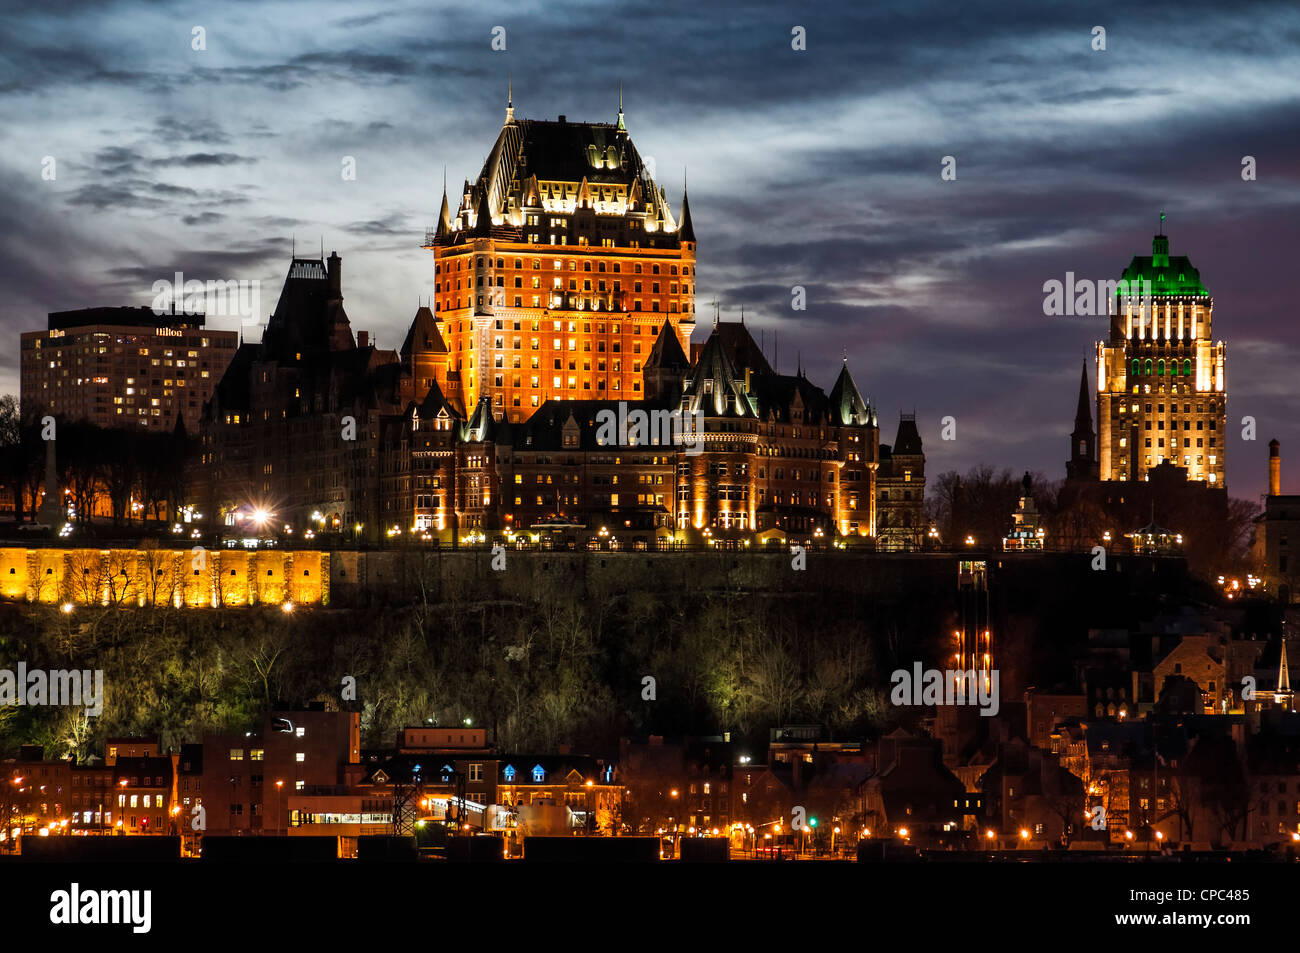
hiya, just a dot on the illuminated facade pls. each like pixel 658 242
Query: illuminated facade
pixel 779 455
pixel 118 367
pixel 556 272
pixel 768 455
pixel 1160 376
pixel 164 577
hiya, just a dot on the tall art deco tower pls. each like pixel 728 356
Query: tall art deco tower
pixel 1160 375
pixel 558 269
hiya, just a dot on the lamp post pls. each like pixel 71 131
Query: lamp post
pixel 278 786
pixel 10 803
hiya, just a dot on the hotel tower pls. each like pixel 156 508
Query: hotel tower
pixel 556 272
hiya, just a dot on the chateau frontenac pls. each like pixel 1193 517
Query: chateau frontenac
pixel 564 293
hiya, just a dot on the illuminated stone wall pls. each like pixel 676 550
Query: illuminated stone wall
pixel 177 577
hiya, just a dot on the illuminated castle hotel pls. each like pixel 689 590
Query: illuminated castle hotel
pixel 1161 396
pixel 564 287
pixel 557 271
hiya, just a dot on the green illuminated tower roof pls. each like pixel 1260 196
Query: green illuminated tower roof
pixel 1168 276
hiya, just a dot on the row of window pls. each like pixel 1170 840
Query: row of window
pixel 462 263
pixel 1161 368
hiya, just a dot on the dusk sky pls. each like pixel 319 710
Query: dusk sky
pixel 818 168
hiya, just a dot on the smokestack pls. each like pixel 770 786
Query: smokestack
pixel 335 272
pixel 363 338
pixel 1274 468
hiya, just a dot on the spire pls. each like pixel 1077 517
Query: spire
pixel 444 217
pixel 685 230
pixel 510 99
pixel 483 220
pixel 1283 676
pixel 1083 416
pixel 622 126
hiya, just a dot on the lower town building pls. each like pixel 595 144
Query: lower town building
pixel 248 779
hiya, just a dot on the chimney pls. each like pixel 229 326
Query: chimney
pixel 335 272
pixel 562 118
pixel 363 338
pixel 1274 468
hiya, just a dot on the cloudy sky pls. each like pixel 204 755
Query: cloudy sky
pixel 818 168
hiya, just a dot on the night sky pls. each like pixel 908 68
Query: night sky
pixel 818 168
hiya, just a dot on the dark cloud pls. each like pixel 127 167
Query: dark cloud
pixel 816 168
pixel 196 159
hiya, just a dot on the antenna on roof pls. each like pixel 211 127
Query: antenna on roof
pixel 293 245
pixel 1162 223
pixel 510 97
pixel 846 357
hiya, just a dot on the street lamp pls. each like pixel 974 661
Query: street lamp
pixel 278 786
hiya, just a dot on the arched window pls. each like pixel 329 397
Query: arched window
pixel 1147 366
pixel 1187 367
pixel 1136 367
pixel 1160 367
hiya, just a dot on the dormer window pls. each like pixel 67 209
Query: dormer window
pixel 539 774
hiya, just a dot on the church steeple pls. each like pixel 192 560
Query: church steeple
pixel 1083 464
pixel 1283 675
pixel 1083 415
pixel 622 126
pixel 510 100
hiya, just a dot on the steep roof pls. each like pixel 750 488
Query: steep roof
pixel 424 332
pixel 587 158
pixel 435 403
pixel 667 350
pixel 846 404
pixel 909 438
pixel 686 230
pixel 714 387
